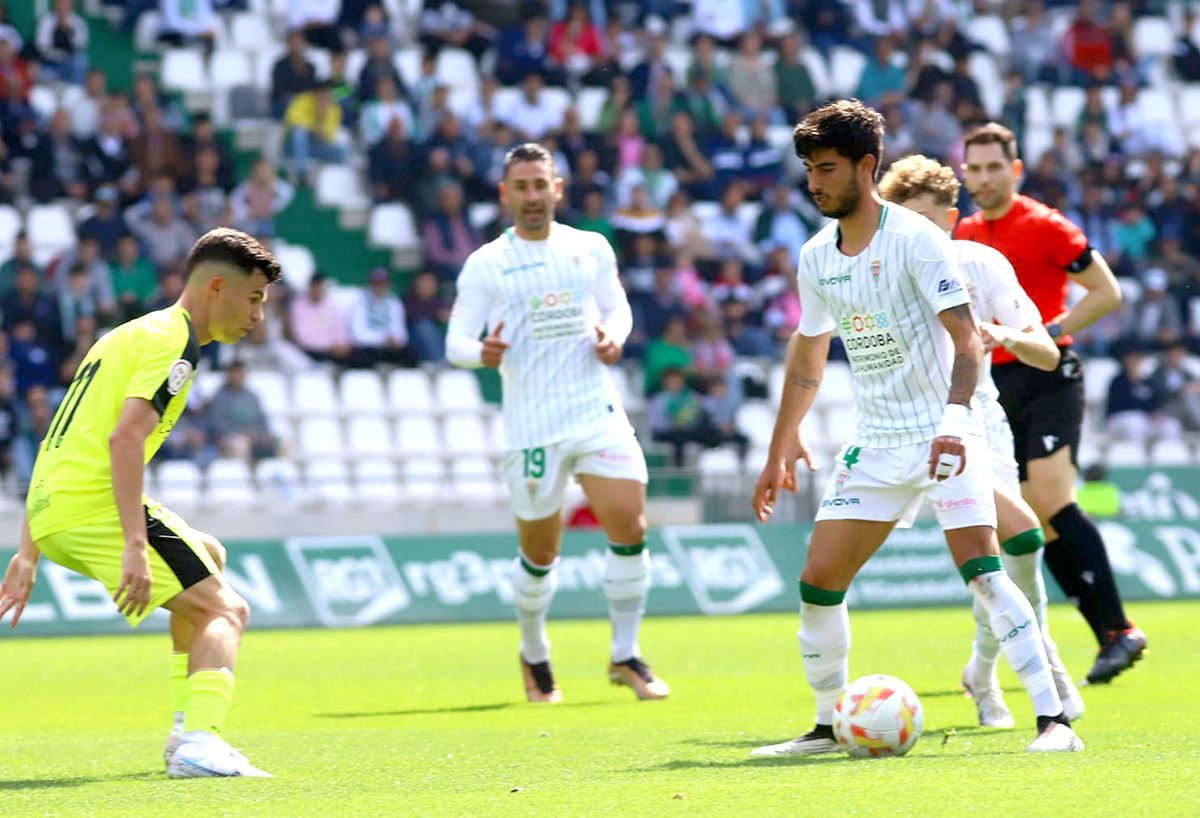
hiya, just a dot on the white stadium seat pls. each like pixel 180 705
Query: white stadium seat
pixel 1097 375
pixel 990 32
pixel 179 483
pixel 392 227
pixel 499 441
pixel 1127 453
pixel 457 390
pixel 329 480
pixel 272 390
pixel 369 436
pixel 756 420
pixel 361 392
pixel 474 477
pixel 719 469
pixel 230 67
pixel 1170 453
pixel 418 434
pixel 10 226
pixel 250 32
pixel 1066 103
pixel 1153 37
pixel 321 436
pixel 341 186
pixel 589 102
pixel 377 479
pixel 278 481
pixel 298 264
pixel 456 68
pixel 206 384
pixel 846 66
pixel 229 483
pixel 183 70
pixel 43 100
pixel 51 231
pixel 313 393
pixel 410 391
pixel 145 33
pixel 424 478
pixel 465 434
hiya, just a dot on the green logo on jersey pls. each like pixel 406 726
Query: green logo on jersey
pixel 851 456
pixel 829 282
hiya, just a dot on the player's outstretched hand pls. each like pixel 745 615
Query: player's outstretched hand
pixel 607 350
pixel 133 594
pixel 947 458
pixel 779 473
pixel 493 347
pixel 17 587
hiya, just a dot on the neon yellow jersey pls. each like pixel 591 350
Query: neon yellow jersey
pixel 153 357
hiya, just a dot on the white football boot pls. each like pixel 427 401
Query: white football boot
pixel 815 742
pixel 173 741
pixel 1072 701
pixel 1056 738
pixel 989 699
pixel 206 755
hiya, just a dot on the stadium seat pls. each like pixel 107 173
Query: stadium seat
pixel 424 478
pixel 392 227
pixel 1171 453
pixel 481 214
pixel 264 63
pixel 145 33
pixel 457 390
pixel 51 231
pixel 590 102
pixel 272 390
pixel 179 484
pixel 361 392
pixel 846 66
pixel 818 72
pixel 313 393
pixel 410 391
pixel 1153 37
pixel 298 264
pixel 369 436
pixel 719 470
pixel 775 377
pixel 474 477
pixel 1067 102
pixel 986 73
pixel 1089 453
pixel 341 186
pixel 43 100
pixel 329 481
pixel 417 434
pixel 206 384
pixel 1037 107
pixel 183 70
pixel 465 434
pixel 1189 104
pixel 1097 375
pixel 230 67
pixel 756 420
pixel 320 436
pixel 499 438
pixel 990 32
pixel 456 68
pixel 408 63
pixel 1125 453
pixel 10 226
pixel 377 479
pixel 251 32
pixel 278 481
pixel 229 484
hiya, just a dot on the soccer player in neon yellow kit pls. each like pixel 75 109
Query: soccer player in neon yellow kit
pixel 86 509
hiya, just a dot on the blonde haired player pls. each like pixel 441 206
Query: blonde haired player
pixel 557 317
pixel 86 510
pixel 1008 319
pixel 885 280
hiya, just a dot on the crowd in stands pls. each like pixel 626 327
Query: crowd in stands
pixel 684 166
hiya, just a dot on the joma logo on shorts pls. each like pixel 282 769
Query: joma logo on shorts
pixel 835 502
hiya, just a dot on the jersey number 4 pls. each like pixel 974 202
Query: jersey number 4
pixel 66 412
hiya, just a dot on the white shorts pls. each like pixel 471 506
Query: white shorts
pixel 891 484
pixel 1000 441
pixel 537 477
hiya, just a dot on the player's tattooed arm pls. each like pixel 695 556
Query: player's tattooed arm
pixel 968 352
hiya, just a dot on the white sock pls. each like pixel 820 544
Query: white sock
pixel 177 723
pixel 532 594
pixel 1013 623
pixel 1026 573
pixel 626 583
pixel 985 650
pixel 825 648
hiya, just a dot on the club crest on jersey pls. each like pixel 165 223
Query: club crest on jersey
pixel 178 376
pixel 876 267
pixel 532 486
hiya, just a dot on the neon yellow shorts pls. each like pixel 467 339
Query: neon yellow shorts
pixel 178 558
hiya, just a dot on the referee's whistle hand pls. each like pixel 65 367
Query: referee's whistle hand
pixel 493 347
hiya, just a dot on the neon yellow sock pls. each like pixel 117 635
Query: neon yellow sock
pixel 177 678
pixel 209 696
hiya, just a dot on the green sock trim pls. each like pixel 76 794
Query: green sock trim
pixel 534 570
pixel 819 596
pixel 209 696
pixel 627 550
pixel 1024 543
pixel 978 566
pixel 177 676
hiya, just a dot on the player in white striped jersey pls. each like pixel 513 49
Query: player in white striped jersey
pixel 885 279
pixel 1009 319
pixel 557 317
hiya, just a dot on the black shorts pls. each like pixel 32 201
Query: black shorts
pixel 1045 409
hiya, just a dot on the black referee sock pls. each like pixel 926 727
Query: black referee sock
pixel 1064 566
pixel 1099 599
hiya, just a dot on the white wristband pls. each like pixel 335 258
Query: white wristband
pixel 957 421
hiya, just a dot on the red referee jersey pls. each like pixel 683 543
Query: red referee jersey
pixel 1041 244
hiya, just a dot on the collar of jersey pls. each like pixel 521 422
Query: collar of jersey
pixel 837 231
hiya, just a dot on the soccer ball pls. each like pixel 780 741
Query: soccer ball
pixel 878 716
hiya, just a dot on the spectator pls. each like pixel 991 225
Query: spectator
pixel 654 112
pixel 726 154
pixel 751 340
pixel 577 45
pixel 1176 387
pixel 22 256
pixel 79 341
pixel 712 355
pixel 170 287
pixel 1088 46
pixel 532 114
pixel 428 313
pixel 675 415
pixel 654 69
pixel 1185 55
pixel 730 283
pixel 587 177
pixel 627 142
pixel 595 219
pixel 378 64
pixel 377 115
pixel 147 95
pixel 1134 233
pixel 35 423
pixel 764 161
pixel 751 80
pixel 15 76
pixel 57 162
pixel 188 439
pixel 671 350
pixel 292 74
pixel 793 82
pixel 638 217
pixel 318 326
pixel 237 423
pixel 167 237
pixel 134 278
pixel 779 224
pixel 106 224
pixel 62 41
pixel 377 330
pixel 658 183
pixel 729 232
pixel 157 150
pixel 718 416
pixel 620 97
pixel 317 21
pixel 75 300
pixel 187 22
pixel 392 165
pixel 26 302
pixel 447 23
pixel 99 284
pixel 35 361
pixel 9 420
pixel 1035 47
pixel 106 155
pixel 1136 131
pixel 883 80
pixel 522 49
pixel 703 102
pixel 447 237
pixel 1156 319
pixel 312 121
pixel 684 228
pixel 936 129
pixel 256 202
pixel 641 261
pixel 1132 411
pixel 203 135
pixel 206 204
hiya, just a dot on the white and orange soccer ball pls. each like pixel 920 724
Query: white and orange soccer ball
pixel 878 716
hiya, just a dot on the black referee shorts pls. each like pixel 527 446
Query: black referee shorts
pixel 1045 409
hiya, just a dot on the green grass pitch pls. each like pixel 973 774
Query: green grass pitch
pixel 431 721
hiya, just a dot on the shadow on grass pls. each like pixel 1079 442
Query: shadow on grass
pixel 749 762
pixel 76 781
pixel 958 691
pixel 433 711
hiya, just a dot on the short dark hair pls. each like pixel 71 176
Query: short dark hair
pixel 223 245
pixel 993 133
pixel 847 126
pixel 527 152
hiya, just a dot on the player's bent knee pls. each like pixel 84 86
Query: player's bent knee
pixel 236 610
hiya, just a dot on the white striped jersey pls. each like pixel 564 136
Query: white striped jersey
pixel 884 303
pixel 550 295
pixel 997 297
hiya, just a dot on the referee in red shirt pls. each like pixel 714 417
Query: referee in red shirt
pixel 1045 409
